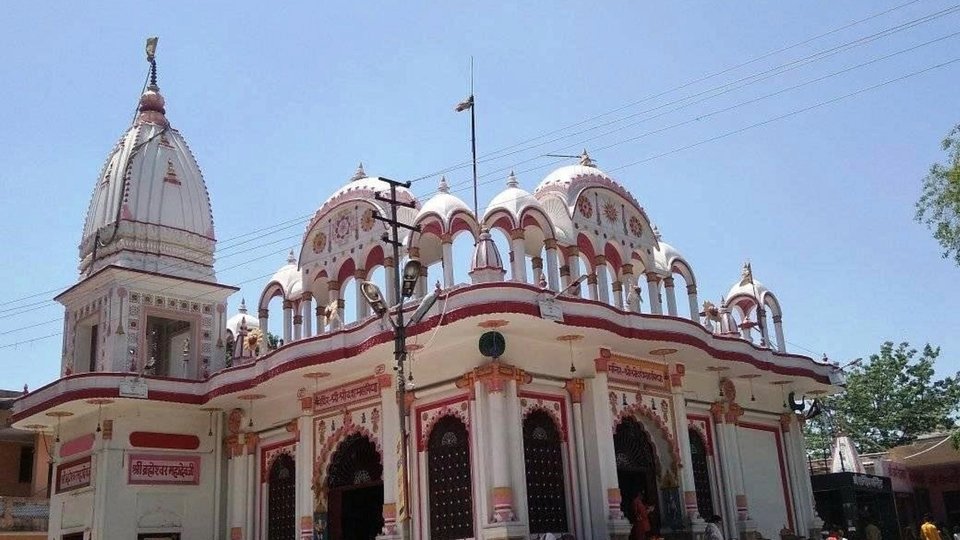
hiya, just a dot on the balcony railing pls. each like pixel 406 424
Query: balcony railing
pixel 24 514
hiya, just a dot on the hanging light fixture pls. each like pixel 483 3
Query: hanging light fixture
pixel 570 338
pixel 783 395
pixel 210 411
pixel 99 402
pixel 59 415
pixel 250 398
pixel 750 377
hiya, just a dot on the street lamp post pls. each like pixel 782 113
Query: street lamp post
pixel 404 285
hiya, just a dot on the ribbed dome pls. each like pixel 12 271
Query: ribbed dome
pixel 150 205
pixel 233 323
pixel 570 181
pixel 747 286
pixel 443 204
pixel 513 200
pixel 289 278
pixel 664 256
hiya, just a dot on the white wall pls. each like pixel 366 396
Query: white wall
pixel 763 480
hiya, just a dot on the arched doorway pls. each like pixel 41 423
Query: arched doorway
pixel 543 460
pixel 701 474
pixel 636 468
pixel 355 490
pixel 281 499
pixel 451 489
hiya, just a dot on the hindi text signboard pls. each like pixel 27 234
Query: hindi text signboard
pixel 340 396
pixel 163 469
pixel 74 475
pixel 638 372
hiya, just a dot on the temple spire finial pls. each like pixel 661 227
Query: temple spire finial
pixel 512 180
pixel 585 159
pixel 359 173
pixel 443 187
pixel 152 58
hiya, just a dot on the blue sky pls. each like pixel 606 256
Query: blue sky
pixel 279 101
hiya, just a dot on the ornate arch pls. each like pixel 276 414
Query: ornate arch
pixel 322 464
pixel 640 412
pixel 430 419
pixel 553 414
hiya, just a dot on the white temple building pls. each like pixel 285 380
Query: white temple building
pixel 175 419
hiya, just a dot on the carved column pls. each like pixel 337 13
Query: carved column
pixel 446 247
pixel 575 388
pixel 671 296
pixel 321 320
pixel 390 293
pixel 518 257
pixel 263 314
pixel 502 491
pixel 603 278
pixel 306 314
pixel 626 279
pixel 694 304
pixel 536 263
pixel 727 486
pixel 362 308
pixel 598 388
pixel 653 286
pixel 789 450
pixel 573 267
pixel 390 411
pixel 297 326
pixel 553 277
pixel 335 320
pixel 778 328
pixel 592 286
pixel 617 294
pixel 687 484
pixel 304 461
pixel 287 320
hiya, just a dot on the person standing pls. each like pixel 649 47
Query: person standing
pixel 928 531
pixel 641 518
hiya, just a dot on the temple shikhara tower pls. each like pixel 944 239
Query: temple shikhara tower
pixel 603 376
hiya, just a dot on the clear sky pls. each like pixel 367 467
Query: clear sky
pixel 279 101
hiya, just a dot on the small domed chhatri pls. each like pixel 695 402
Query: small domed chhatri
pixel 604 391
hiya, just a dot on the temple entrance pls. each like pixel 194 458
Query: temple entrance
pixel 355 490
pixel 636 469
pixel 281 499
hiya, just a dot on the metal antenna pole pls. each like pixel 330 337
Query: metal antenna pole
pixel 473 139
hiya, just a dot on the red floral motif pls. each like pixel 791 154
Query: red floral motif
pixel 319 242
pixel 342 227
pixel 367 221
pixel 585 207
pixel 610 211
pixel 636 226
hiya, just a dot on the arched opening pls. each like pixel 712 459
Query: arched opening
pixel 463 248
pixel 701 474
pixel 636 469
pixel 451 488
pixel 281 499
pixel 543 459
pixel 505 247
pixel 355 490
pixel 348 293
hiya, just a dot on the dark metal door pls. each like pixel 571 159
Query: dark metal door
pixel 281 499
pixel 451 496
pixel 542 454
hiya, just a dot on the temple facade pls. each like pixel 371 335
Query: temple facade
pixel 571 371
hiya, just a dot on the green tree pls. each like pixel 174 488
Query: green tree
pixel 889 400
pixel 939 204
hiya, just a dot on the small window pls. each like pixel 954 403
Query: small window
pixel 26 465
pixel 86 345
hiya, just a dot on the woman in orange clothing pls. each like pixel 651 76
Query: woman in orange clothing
pixel 641 518
pixel 928 531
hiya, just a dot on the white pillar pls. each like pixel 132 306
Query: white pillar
pixel 518 256
pixel 575 388
pixel 653 287
pixel 304 462
pixel 446 247
pixel 687 484
pixel 778 328
pixel 627 284
pixel 671 296
pixel 727 485
pixel 389 290
pixel 592 288
pixel 306 314
pixel 501 491
pixel 598 391
pixel 336 319
pixel 536 265
pixel 250 463
pixel 764 331
pixel 390 412
pixel 264 320
pixel 793 473
pixel 694 304
pixel 573 267
pixel 297 326
pixel 362 308
pixel 733 467
pixel 617 294
pixel 553 266
pixel 321 320
pixel 815 524
pixel 287 321
pixel 603 278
